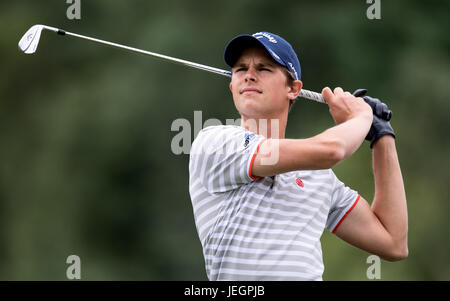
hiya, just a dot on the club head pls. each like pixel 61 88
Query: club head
pixel 30 40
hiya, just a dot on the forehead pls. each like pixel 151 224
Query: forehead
pixel 257 54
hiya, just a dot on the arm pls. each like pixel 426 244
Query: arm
pixel 381 229
pixel 353 118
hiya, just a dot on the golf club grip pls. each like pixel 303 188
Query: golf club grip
pixel 311 95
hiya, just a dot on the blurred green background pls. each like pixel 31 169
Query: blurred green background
pixel 86 165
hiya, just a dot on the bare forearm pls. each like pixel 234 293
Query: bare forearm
pixel 349 135
pixel 329 147
pixel 319 152
pixel 389 203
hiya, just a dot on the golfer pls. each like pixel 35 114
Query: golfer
pixel 261 201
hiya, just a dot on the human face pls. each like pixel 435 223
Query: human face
pixel 259 85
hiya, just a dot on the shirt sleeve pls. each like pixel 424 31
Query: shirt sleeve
pixel 343 200
pixel 221 157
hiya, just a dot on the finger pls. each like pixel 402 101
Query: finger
pixel 380 108
pixel 338 90
pixel 328 96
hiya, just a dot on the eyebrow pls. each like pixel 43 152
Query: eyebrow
pixel 259 65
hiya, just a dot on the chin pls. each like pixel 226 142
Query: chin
pixel 251 109
pixel 256 107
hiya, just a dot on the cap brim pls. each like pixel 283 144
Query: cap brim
pixel 237 45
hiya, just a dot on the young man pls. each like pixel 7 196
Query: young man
pixel 261 202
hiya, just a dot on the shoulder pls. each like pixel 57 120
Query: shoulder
pixel 219 133
pixel 214 136
pixel 221 130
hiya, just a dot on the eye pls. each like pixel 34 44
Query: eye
pixel 265 69
pixel 240 69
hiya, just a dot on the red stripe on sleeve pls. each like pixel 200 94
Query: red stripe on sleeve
pixel 253 159
pixel 345 215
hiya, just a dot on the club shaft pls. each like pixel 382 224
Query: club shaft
pixel 303 92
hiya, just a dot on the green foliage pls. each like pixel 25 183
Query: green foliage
pixel 86 163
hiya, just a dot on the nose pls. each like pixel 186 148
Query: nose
pixel 250 75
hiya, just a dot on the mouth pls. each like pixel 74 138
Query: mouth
pixel 250 91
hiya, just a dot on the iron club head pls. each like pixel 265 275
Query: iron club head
pixel 30 40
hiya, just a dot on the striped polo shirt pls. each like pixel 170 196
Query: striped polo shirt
pixel 265 228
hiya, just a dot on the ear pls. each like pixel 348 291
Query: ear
pixel 295 89
pixel 231 87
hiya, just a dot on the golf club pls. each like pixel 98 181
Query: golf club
pixel 30 41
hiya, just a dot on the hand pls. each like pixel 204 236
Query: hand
pixel 379 108
pixel 344 106
pixel 380 127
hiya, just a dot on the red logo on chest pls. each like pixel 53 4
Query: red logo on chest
pixel 299 182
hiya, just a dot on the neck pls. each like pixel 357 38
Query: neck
pixel 268 127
